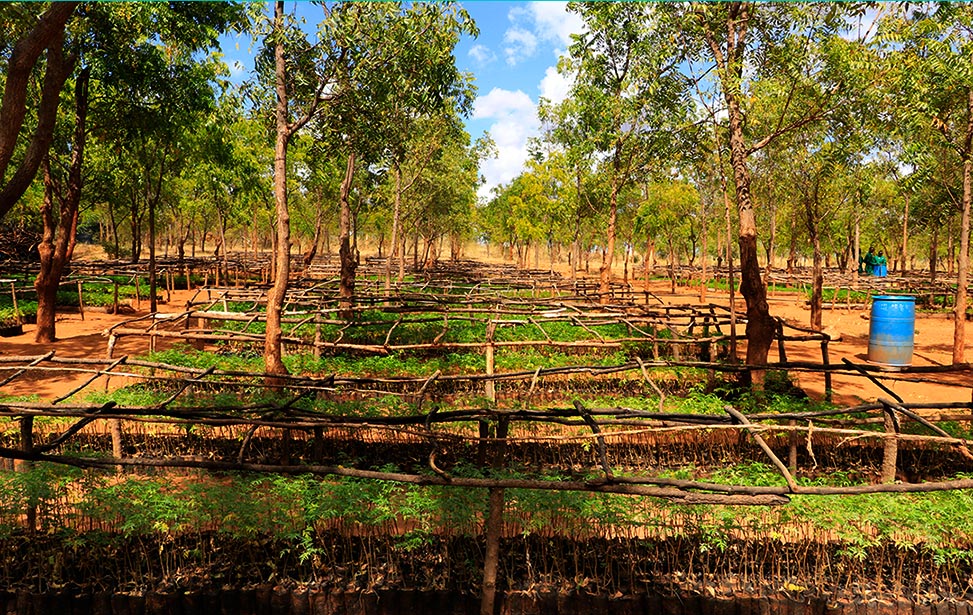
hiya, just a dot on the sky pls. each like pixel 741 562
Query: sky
pixel 513 61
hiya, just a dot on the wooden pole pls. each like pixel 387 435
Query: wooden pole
pixel 891 449
pixel 494 522
pixel 80 300
pixel 13 295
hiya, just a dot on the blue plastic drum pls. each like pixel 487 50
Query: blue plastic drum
pixel 892 330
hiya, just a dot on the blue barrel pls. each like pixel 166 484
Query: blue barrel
pixel 892 330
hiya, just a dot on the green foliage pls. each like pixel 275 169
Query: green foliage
pixel 45 488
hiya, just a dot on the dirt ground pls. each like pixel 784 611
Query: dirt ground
pixel 83 337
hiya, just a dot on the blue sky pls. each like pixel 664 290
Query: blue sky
pixel 513 61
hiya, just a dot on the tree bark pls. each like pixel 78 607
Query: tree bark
pixel 55 254
pixel 346 252
pixel 273 362
pixel 760 325
pixel 394 242
pixel 959 314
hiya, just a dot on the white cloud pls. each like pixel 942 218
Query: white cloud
pixel 520 44
pixel 539 22
pixel 482 54
pixel 555 87
pixel 500 103
pixel 514 117
pixel 553 23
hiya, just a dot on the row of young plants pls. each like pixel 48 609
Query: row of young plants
pixel 875 532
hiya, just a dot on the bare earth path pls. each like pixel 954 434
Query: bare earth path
pixel 79 337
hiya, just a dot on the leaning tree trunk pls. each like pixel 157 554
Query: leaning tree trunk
pixel 346 252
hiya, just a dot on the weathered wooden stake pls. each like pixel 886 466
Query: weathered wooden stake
pixel 494 522
pixel 891 450
pixel 80 301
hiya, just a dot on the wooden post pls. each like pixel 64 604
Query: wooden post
pixel 826 360
pixel 13 295
pixel 138 294
pixel 493 529
pixel 80 301
pixel 489 387
pixel 792 451
pixel 114 425
pixel 27 445
pixel 114 302
pixel 781 353
pixel 891 449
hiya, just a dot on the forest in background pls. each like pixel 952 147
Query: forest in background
pixel 759 134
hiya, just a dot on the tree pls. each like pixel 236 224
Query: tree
pixel 666 211
pixel 121 53
pixel 384 76
pixel 766 39
pixel 45 33
pixel 57 243
pixel 367 60
pixel 931 50
pixel 628 100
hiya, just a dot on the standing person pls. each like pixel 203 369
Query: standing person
pixel 870 260
pixel 881 265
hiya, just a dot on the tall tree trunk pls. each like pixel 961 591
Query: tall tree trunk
pixel 934 254
pixel 760 325
pixel 905 238
pixel 394 243
pixel 136 227
pixel 346 252
pixel 55 256
pixel 51 265
pixel 817 275
pixel 959 315
pixel 114 231
pixel 703 255
pixel 153 305
pixel 273 362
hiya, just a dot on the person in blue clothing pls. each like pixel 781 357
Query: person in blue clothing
pixel 881 265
